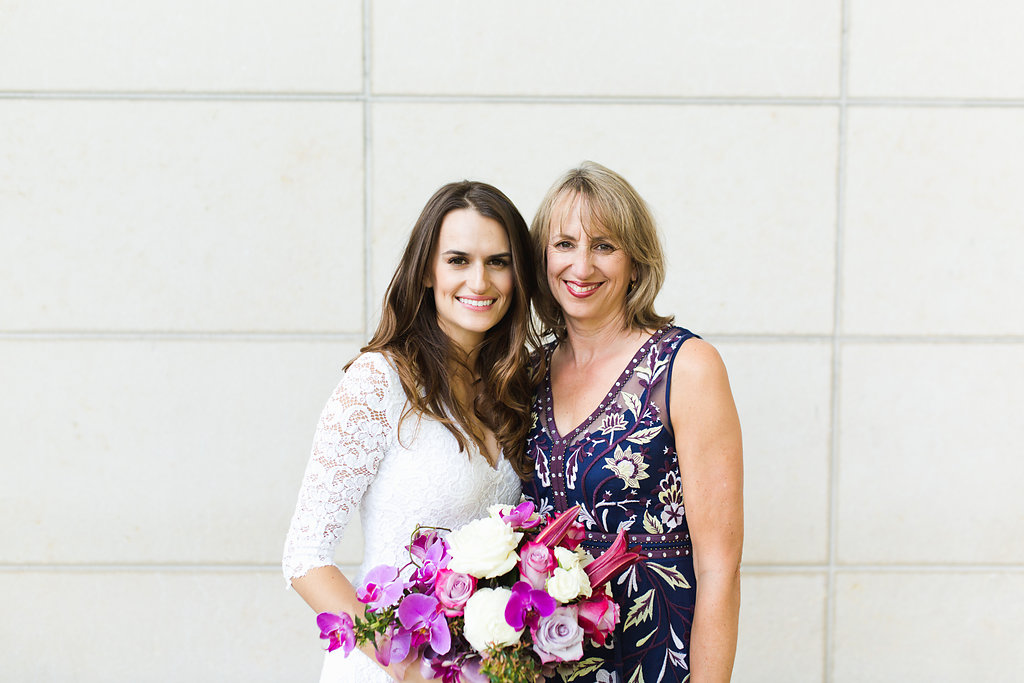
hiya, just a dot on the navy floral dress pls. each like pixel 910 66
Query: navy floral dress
pixel 620 464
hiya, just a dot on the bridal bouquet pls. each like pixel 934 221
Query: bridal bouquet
pixel 504 598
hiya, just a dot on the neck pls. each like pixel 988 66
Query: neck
pixel 587 340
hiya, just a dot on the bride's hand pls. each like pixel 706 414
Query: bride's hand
pixel 408 670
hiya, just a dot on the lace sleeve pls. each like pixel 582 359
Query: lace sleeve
pixel 353 435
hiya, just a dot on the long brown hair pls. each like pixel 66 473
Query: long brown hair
pixel 423 355
pixel 610 206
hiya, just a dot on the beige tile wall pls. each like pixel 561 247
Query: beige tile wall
pixel 201 205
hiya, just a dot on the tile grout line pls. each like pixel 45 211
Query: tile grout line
pixel 652 100
pixel 760 569
pixel 731 338
pixel 836 378
pixel 367 174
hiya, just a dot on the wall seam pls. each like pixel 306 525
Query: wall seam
pixel 362 97
pixel 367 171
pixel 836 377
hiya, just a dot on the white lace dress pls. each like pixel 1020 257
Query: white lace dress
pixel 358 462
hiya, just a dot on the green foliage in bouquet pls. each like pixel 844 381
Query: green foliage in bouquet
pixel 512 664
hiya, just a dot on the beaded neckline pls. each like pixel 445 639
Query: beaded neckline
pixel 549 404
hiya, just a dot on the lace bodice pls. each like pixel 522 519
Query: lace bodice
pixel 397 473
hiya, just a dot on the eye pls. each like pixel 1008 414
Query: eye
pixel 605 247
pixel 499 262
pixel 562 244
pixel 457 261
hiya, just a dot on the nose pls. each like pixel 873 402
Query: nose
pixel 477 279
pixel 582 264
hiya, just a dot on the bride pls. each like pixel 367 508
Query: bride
pixel 429 422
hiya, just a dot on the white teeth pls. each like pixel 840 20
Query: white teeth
pixel 582 290
pixel 478 303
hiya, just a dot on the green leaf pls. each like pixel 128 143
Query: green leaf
pixel 651 524
pixel 638 675
pixel 645 638
pixel 672 576
pixel 641 610
pixel 581 668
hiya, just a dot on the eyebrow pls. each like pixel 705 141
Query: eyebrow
pixel 456 252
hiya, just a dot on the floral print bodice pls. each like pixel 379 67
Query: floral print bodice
pixel 620 465
pixel 620 461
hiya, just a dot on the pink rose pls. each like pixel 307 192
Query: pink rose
pixel 536 562
pixel 598 617
pixel 574 536
pixel 559 638
pixel 453 589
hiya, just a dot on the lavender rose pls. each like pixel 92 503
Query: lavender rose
pixel 559 638
pixel 453 589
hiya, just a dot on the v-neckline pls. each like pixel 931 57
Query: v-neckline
pixel 617 385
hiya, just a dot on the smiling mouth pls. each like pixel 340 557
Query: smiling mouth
pixel 580 289
pixel 477 303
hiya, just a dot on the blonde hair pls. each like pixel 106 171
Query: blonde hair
pixel 608 205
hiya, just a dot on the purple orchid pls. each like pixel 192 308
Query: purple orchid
pixel 463 668
pixel 435 558
pixel 421 616
pixel 519 516
pixel 393 645
pixel 337 630
pixel 527 605
pixel 381 588
pixel 423 540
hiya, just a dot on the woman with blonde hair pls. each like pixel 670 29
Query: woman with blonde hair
pixel 429 422
pixel 634 416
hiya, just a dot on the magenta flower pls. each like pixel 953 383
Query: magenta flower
pixel 381 588
pixel 461 669
pixel 612 561
pixel 519 516
pixel 536 562
pixel 423 541
pixel 337 630
pixel 527 605
pixel 435 558
pixel 598 616
pixel 574 536
pixel 556 530
pixel 421 616
pixel 393 645
pixel 453 589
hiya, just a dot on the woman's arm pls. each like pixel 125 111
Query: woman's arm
pixel 707 433
pixel 353 435
pixel 326 589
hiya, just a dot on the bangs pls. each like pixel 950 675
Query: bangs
pixel 600 219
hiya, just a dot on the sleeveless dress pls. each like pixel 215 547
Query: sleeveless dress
pixel 620 464
pixel 396 479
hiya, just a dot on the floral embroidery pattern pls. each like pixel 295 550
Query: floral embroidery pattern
pixel 627 466
pixel 620 464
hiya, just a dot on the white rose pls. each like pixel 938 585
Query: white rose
pixel 571 559
pixel 484 548
pixel 569 584
pixel 485 619
pixel 498 509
